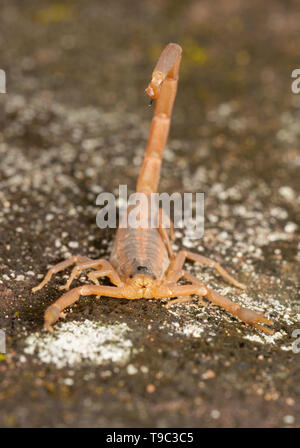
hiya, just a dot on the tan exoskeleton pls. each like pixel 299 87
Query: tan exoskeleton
pixel 142 263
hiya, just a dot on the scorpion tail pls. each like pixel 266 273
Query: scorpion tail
pixel 163 87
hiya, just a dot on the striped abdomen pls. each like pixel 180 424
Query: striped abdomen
pixel 139 251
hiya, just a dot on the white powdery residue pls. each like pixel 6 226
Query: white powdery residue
pixel 287 348
pixel 189 328
pixel 268 306
pixel 264 338
pixel 192 330
pixel 74 343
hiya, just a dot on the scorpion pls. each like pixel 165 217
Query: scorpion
pixel 142 263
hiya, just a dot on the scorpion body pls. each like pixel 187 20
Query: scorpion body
pixel 142 263
pixel 139 251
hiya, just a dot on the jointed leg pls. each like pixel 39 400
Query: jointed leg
pixel 163 291
pixel 250 317
pixel 196 284
pixel 54 312
pixel 175 269
pixel 82 264
pixel 195 281
pixel 109 272
pixel 94 275
pixel 164 233
pixel 165 218
pixel 208 262
pixel 246 315
pixel 94 264
pixel 183 292
pixel 178 300
pixel 61 267
pixel 76 271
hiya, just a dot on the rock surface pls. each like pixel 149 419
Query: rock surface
pixel 74 122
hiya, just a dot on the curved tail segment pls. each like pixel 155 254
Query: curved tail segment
pixel 162 87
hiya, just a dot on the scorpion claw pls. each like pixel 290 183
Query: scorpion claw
pixel 263 328
pixel 52 314
pixel 252 318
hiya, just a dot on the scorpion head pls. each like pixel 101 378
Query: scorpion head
pixel 141 271
pixel 143 280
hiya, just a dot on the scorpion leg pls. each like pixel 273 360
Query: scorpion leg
pixel 110 273
pixel 76 271
pixel 179 300
pixel 94 275
pixel 164 216
pixel 54 311
pixel 93 264
pixel 184 291
pixel 246 315
pixel 176 267
pixel 61 267
pixel 195 281
pixel 163 291
pixel 163 232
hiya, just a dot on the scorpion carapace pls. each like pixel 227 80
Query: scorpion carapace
pixel 142 263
